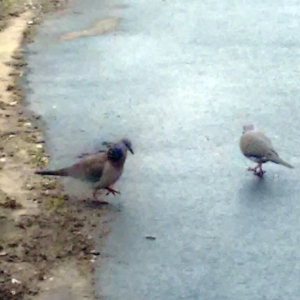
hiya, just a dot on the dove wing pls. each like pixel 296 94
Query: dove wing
pixel 90 168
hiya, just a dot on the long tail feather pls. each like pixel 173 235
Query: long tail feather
pixel 280 161
pixel 61 172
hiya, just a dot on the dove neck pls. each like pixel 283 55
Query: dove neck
pixel 119 163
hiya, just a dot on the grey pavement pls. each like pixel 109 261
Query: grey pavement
pixel 180 78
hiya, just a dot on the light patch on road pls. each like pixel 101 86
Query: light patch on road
pixel 101 27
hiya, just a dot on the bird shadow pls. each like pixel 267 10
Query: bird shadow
pixel 262 190
pixel 257 189
pixel 94 204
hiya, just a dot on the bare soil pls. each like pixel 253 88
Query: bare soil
pixel 46 246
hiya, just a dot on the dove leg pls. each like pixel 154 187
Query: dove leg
pixel 258 171
pixel 111 190
pixel 253 169
pixel 98 201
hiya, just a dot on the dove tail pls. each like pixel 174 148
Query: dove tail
pixel 61 172
pixel 280 161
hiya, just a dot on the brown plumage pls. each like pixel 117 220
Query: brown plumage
pixel 101 169
pixel 258 148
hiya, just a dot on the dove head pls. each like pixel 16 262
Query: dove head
pixel 248 127
pixel 127 143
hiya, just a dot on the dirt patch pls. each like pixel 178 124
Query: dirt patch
pixel 46 247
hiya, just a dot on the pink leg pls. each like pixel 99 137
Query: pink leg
pixel 113 191
pixel 257 170
pixel 110 190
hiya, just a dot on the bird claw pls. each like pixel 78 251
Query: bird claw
pixel 259 173
pixel 112 191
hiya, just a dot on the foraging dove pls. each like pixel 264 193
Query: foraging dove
pixel 258 148
pixel 102 169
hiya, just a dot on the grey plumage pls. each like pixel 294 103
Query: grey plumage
pixel 258 148
pixel 102 169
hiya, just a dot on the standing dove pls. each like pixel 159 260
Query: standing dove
pixel 102 169
pixel 258 148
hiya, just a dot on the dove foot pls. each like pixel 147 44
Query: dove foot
pixel 112 191
pixel 258 171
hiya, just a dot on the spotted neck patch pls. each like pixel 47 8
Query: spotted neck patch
pixel 115 153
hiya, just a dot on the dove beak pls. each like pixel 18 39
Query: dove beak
pixel 131 150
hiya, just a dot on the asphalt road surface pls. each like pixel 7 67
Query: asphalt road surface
pixel 180 78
